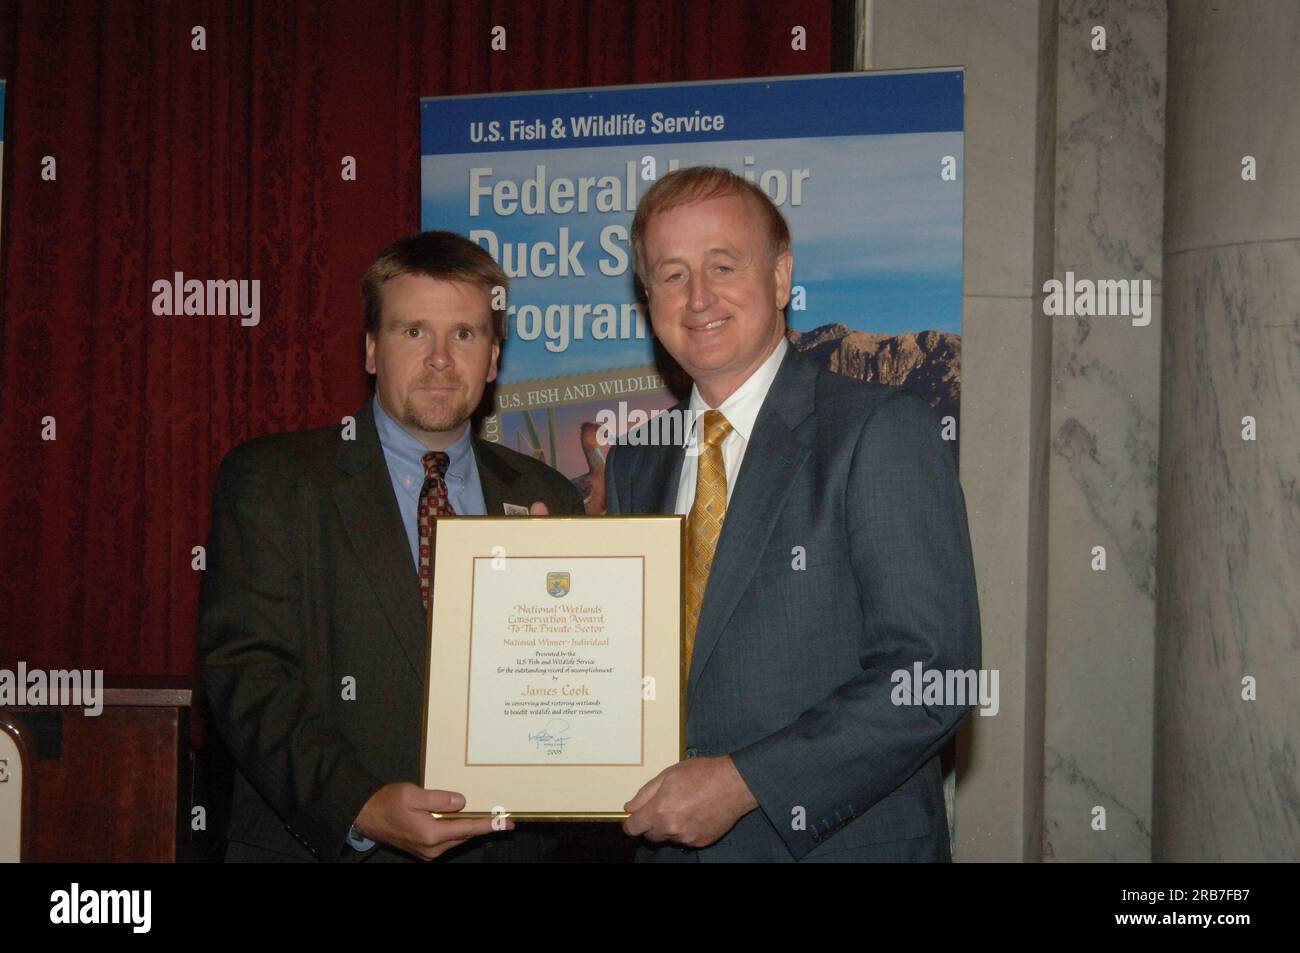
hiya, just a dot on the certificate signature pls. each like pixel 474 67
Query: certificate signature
pixel 553 736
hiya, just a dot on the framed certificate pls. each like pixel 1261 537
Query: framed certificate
pixel 553 677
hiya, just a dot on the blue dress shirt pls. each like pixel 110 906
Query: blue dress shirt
pixel 403 454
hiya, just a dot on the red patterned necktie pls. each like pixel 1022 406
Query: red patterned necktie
pixel 433 503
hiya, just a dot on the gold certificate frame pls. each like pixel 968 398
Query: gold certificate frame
pixel 553 677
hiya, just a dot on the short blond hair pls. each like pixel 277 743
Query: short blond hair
pixel 699 183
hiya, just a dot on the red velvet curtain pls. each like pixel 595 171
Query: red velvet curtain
pixel 225 163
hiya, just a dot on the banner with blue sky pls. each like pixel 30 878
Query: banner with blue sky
pixel 866 167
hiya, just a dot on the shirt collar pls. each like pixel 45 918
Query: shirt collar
pixel 742 407
pixel 399 444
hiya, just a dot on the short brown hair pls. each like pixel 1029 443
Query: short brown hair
pixel 696 184
pixel 443 255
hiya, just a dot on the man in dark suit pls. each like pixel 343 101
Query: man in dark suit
pixel 312 626
pixel 827 552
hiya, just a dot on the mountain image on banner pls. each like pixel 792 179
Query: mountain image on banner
pixel 928 363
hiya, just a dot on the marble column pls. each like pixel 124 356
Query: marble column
pixel 1109 195
pixel 1227 703
pixel 1008 49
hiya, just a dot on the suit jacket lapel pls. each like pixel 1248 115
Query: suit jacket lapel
pixel 654 490
pixel 666 475
pixel 497 478
pixel 774 455
pixel 374 524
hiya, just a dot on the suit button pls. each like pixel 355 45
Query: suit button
pixel 692 752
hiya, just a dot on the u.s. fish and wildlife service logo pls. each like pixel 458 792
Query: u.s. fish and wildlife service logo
pixel 557 584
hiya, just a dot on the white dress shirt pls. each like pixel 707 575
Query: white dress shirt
pixel 741 410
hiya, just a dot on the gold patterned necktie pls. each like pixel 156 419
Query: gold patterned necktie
pixel 704 524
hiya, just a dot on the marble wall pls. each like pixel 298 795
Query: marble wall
pixel 1063 172
pixel 1123 688
pixel 1228 606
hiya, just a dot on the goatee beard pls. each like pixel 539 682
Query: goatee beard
pixel 434 421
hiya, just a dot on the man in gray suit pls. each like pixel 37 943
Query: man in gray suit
pixel 827 550
pixel 312 625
